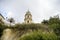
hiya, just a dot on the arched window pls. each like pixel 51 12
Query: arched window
pixel 28 21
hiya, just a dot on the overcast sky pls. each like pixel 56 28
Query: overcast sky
pixel 40 9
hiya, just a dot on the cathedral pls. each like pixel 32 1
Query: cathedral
pixel 28 18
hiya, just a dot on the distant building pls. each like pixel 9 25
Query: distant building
pixel 1 18
pixel 28 17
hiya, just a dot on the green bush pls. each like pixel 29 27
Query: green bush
pixel 39 36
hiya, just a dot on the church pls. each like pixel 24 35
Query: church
pixel 28 18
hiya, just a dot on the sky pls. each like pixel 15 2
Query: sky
pixel 40 9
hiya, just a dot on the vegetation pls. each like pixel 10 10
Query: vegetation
pixel 2 27
pixel 47 30
pixel 54 24
pixel 11 20
pixel 39 35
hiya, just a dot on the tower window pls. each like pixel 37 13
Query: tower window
pixel 28 16
pixel 27 21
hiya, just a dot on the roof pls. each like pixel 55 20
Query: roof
pixel 28 13
pixel 1 15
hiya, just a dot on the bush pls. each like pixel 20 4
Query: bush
pixel 39 36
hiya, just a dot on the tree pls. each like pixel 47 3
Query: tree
pixel 45 21
pixel 11 20
pixel 54 24
pixel 54 20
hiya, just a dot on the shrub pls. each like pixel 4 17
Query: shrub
pixel 39 36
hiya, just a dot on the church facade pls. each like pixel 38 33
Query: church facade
pixel 28 18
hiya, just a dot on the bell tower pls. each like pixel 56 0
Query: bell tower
pixel 28 17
